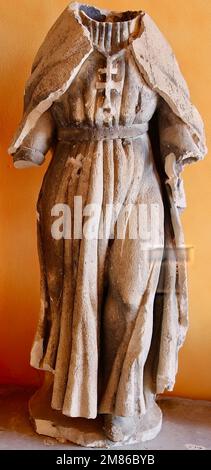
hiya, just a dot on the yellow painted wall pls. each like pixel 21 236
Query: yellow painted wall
pixel 23 24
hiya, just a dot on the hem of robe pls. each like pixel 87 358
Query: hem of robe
pixel 163 383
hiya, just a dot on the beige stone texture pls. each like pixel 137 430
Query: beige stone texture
pixel 107 96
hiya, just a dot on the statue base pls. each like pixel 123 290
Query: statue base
pixel 85 432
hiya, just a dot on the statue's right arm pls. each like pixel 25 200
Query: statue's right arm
pixel 36 144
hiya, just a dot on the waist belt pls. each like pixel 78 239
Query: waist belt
pixel 67 134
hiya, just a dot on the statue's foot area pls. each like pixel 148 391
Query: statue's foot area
pixel 134 429
pixel 118 428
pixel 104 431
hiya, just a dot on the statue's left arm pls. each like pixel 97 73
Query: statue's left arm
pixel 178 148
pixel 181 129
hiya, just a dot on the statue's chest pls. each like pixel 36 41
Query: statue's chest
pixel 108 90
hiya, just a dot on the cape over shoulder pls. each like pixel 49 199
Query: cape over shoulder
pixel 67 46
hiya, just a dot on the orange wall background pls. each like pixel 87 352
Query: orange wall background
pixel 23 25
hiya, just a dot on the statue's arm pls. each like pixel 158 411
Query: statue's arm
pixel 178 148
pixel 36 144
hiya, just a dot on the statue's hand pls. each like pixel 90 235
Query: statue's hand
pixel 26 157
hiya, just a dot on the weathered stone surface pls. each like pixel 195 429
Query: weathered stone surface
pixel 113 309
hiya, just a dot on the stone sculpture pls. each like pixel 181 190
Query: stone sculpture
pixel 107 95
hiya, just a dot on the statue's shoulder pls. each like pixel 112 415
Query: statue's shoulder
pixel 151 39
pixel 57 34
